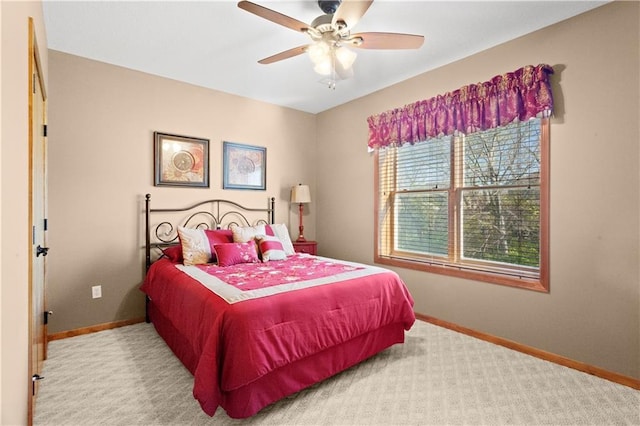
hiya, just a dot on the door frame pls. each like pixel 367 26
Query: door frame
pixel 35 72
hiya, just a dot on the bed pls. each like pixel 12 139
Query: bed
pixel 252 320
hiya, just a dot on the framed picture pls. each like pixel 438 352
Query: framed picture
pixel 244 166
pixel 181 161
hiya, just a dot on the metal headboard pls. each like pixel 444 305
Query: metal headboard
pixel 209 214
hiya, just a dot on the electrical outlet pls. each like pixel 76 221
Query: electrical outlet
pixel 96 291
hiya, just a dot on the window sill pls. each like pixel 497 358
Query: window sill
pixel 538 285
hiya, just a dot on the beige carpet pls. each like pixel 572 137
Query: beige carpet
pixel 128 376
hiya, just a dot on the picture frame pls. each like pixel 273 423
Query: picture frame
pixel 180 161
pixel 244 166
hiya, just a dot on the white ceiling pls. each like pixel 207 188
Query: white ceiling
pixel 215 44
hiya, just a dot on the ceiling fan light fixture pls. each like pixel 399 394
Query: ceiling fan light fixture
pixel 319 51
pixel 345 56
pixel 327 57
pixel 324 68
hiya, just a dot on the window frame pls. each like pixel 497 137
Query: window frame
pixel 471 270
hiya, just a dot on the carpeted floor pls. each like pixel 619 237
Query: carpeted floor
pixel 128 376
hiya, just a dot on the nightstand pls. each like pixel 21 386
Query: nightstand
pixel 309 247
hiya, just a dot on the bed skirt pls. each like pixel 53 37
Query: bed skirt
pixel 289 379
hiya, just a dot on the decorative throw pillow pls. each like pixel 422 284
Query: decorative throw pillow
pixel 197 244
pixel 218 236
pixel 270 248
pixel 173 253
pixel 233 253
pixel 281 231
pixel 242 234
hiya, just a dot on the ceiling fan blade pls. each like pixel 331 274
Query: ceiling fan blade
pixel 350 12
pixel 273 16
pixel 284 55
pixel 386 41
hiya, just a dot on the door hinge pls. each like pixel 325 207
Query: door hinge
pixel 33 235
pixel 44 130
pixel 47 314
pixel 46 224
pixel 33 82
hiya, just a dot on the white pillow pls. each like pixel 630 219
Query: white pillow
pixel 270 248
pixel 244 234
pixel 282 232
pixel 195 246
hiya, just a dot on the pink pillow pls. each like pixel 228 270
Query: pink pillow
pixel 233 253
pixel 270 248
pixel 173 253
pixel 218 236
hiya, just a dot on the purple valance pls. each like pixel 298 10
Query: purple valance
pixel 521 95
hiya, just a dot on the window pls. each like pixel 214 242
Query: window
pixel 473 206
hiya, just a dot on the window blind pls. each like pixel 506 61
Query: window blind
pixel 469 201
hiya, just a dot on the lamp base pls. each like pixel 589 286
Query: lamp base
pixel 301 238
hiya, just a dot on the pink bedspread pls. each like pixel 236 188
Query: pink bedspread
pixel 277 273
pixel 232 345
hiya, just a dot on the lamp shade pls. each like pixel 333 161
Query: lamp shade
pixel 300 194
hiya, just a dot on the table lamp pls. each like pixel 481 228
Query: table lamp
pixel 300 195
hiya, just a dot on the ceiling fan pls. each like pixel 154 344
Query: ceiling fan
pixel 331 34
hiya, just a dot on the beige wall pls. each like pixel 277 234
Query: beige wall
pixel 101 124
pixel 592 313
pixel 14 181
